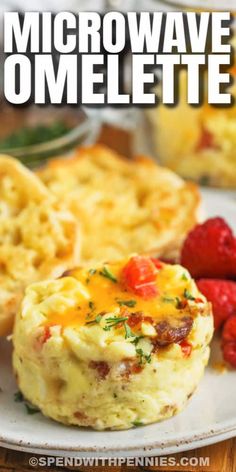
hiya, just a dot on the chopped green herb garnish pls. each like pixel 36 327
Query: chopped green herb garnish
pixel 204 180
pixel 129 303
pixel 111 322
pixel 184 276
pixel 92 271
pixel 18 397
pixel 136 340
pixel 31 135
pixel 143 357
pixel 137 423
pixel 167 299
pixel 31 410
pixel 178 303
pixel 95 320
pixel 188 295
pixel 91 305
pixel 128 332
pixel 105 272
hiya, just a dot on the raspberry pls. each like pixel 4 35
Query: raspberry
pixel 229 353
pixel 229 330
pixel 222 295
pixel 210 250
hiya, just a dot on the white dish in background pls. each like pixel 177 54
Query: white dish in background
pixel 209 417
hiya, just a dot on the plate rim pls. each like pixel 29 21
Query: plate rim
pixel 215 432
pixel 155 449
pixel 201 439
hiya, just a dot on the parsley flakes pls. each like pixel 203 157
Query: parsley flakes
pixel 105 272
pixel 188 295
pixel 96 320
pixel 129 303
pixel 137 423
pixel 116 320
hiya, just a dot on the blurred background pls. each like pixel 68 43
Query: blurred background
pixel 197 142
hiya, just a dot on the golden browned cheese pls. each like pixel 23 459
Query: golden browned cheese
pixel 38 237
pixel 123 206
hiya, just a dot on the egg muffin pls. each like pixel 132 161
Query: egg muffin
pixel 124 206
pixel 112 346
pixel 38 237
pixel 197 142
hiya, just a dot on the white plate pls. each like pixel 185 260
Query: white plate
pixel 209 417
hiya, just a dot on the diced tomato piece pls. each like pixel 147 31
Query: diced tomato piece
pixel 199 300
pixel 146 290
pixel 157 263
pixel 229 353
pixel 186 348
pixel 46 335
pixel 229 329
pixel 206 141
pixel 139 276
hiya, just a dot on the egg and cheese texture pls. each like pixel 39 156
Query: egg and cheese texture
pixel 38 237
pixel 197 143
pixel 114 346
pixel 123 206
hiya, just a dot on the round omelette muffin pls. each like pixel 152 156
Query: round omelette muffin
pixel 123 206
pixel 39 236
pixel 113 346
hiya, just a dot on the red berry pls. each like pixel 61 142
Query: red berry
pixel 139 276
pixel 210 250
pixel 222 295
pixel 229 353
pixel 229 330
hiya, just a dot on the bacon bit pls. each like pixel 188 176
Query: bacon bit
pixel 83 419
pixel 80 416
pixel 130 368
pixel 135 319
pixel 174 332
pixel 206 141
pixel 102 368
pixel 182 304
pixel 186 348
pixel 136 369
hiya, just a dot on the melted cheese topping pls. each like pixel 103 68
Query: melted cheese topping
pixel 102 295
